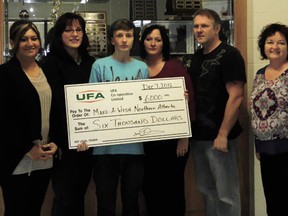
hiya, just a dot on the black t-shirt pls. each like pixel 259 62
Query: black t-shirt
pixel 210 73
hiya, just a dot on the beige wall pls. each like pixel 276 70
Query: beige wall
pixel 260 13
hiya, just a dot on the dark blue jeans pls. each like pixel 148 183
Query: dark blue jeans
pixel 108 170
pixel 70 178
pixel 217 178
pixel 164 179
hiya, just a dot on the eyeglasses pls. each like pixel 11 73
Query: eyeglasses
pixel 71 31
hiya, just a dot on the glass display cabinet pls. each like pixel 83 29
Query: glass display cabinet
pixel 176 15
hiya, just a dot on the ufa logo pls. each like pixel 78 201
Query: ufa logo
pixel 89 96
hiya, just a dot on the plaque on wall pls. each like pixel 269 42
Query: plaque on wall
pixel 183 8
pixel 96 28
pixel 143 9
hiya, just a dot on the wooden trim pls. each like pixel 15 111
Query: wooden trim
pixel 240 26
pixel 240 41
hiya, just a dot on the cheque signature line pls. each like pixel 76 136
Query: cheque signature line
pixel 147 131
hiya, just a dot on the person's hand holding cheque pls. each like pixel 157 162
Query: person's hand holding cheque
pixel 83 146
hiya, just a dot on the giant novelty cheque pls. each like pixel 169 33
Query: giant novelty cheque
pixel 111 113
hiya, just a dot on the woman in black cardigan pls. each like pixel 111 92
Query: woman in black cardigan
pixel 69 62
pixel 26 156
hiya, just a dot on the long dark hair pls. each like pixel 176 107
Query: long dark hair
pixel 56 44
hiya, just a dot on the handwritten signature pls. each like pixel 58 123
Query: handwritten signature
pixel 147 131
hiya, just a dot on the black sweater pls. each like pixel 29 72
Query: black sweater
pixel 61 70
pixel 20 115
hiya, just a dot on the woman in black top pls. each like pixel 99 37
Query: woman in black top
pixel 69 62
pixel 26 155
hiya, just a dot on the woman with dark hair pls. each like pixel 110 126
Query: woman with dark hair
pixel 165 160
pixel 269 116
pixel 69 62
pixel 26 157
